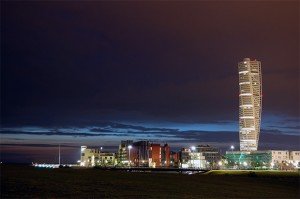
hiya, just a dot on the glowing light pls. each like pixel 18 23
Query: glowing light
pixel 245 71
pixel 241 83
pixel 193 148
pixel 246 94
pixel 247 117
pixel 246 105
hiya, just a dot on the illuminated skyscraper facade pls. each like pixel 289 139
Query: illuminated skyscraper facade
pixel 250 105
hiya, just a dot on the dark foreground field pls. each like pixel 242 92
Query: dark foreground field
pixel 29 182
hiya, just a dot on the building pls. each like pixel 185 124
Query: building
pixel 295 158
pixel 91 157
pixel 139 154
pixel 185 158
pixel 192 159
pixel 250 103
pixel 165 155
pixel 106 159
pixel 269 159
pixel 143 154
pixel 248 159
pixel 123 152
pixel 280 156
pixel 155 155
pixel 174 159
pixel 211 154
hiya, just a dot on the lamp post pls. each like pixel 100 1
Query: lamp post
pixel 232 147
pixel 129 147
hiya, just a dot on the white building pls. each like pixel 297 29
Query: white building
pixel 197 160
pixel 89 157
pixel 280 156
pixel 295 158
pixel 192 159
pixel 95 157
pixel 250 103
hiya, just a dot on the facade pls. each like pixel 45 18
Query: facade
pixel 212 155
pixel 198 160
pixel 185 158
pixel 165 155
pixel 174 159
pixel 248 159
pixel 123 152
pixel 295 158
pixel 143 154
pixel 139 153
pixel 91 157
pixel 155 155
pixel 191 159
pixel 106 159
pixel 269 159
pixel 250 103
pixel 280 156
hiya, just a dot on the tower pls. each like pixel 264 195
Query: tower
pixel 250 103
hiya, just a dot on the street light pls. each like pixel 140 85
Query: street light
pixel 129 147
pixel 232 147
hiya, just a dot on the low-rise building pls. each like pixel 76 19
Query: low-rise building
pixel 280 156
pixel 191 159
pixel 268 159
pixel 295 158
pixel 91 157
pixel 106 159
pixel 211 154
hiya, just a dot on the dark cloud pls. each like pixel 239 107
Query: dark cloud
pixel 88 61
pixel 172 135
pixel 40 145
pixel 286 127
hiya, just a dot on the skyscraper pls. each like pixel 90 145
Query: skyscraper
pixel 250 103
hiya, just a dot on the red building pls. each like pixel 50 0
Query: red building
pixel 165 155
pixel 174 162
pixel 155 155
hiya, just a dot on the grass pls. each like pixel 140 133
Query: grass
pixel 29 182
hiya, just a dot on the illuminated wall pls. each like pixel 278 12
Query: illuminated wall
pixel 250 103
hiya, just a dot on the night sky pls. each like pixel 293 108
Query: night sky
pixel 94 73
